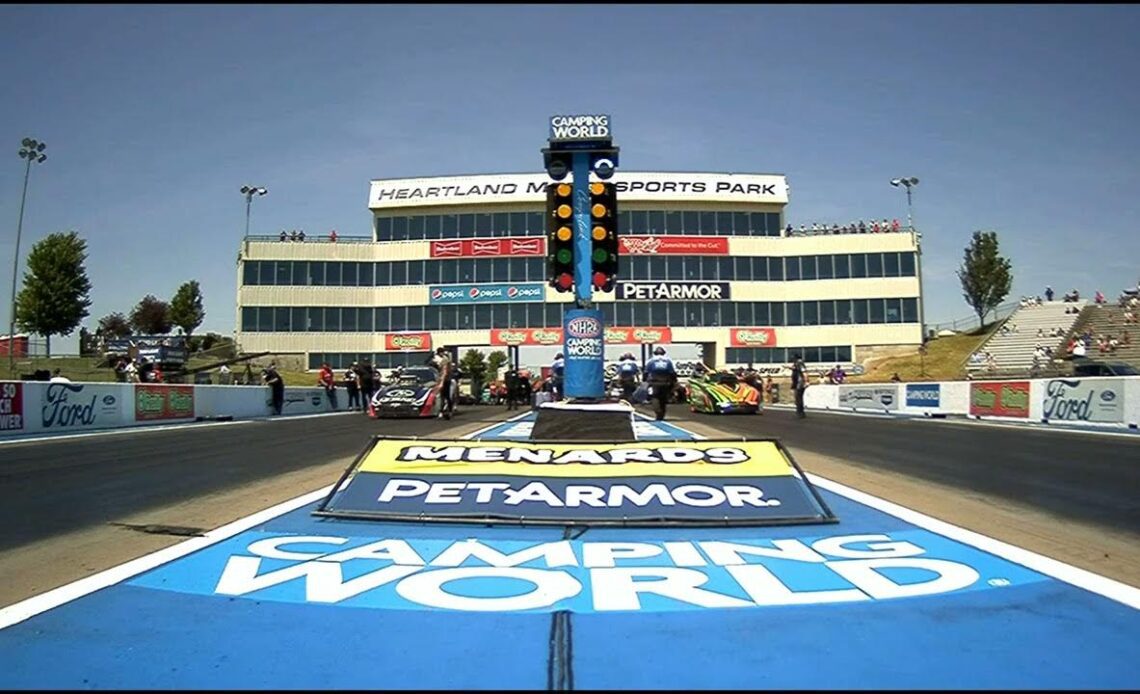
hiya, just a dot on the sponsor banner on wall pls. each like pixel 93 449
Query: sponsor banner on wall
pixel 408 342
pixel 68 406
pixel 485 293
pixel 300 401
pixel 1076 400
pixel 673 245
pixel 923 395
pixel 869 397
pixel 1000 399
pixel 654 481
pixel 163 402
pixel 531 188
pixel 479 248
pixel 526 336
pixel 11 406
pixel 638 336
pixel 673 291
pixel 752 337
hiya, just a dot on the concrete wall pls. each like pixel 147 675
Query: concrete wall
pixel 33 407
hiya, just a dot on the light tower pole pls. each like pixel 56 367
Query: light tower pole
pixel 910 182
pixel 249 192
pixel 32 151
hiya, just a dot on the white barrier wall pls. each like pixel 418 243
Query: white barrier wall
pixel 35 407
pixel 1063 401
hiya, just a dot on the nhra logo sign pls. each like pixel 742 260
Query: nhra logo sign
pixel 584 327
pixel 485 293
pixel 674 291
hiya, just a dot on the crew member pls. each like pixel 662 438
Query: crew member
pixel 627 376
pixel 662 378
pixel 327 380
pixel 799 384
pixel 512 382
pixel 557 371
pixel 446 403
pixel 276 387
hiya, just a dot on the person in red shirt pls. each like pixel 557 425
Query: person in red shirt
pixel 327 380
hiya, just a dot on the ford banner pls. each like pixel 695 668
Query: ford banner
pixel 1076 400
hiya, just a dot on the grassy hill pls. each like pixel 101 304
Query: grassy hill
pixel 944 360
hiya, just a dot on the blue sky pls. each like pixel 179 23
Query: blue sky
pixel 1019 119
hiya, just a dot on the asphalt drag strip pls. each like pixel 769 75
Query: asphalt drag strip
pixel 73 507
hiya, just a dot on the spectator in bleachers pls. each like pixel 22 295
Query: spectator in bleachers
pixel 332 236
pixel 1098 298
pixel 1048 293
pixel 293 235
pixel 803 230
pixel 301 235
pixel 1125 338
pixel 788 231
pixel 835 228
pixel 875 226
pixel 1129 316
pixel 1077 349
pixel 284 236
pixel 815 227
pixel 895 225
pixel 862 227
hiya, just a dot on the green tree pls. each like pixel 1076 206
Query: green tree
pixel 495 361
pixel 474 364
pixel 54 297
pixel 986 276
pixel 113 325
pixel 151 316
pixel 186 307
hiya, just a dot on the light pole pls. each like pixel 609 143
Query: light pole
pixel 249 192
pixel 31 151
pixel 910 182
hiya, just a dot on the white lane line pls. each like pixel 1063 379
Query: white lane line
pixel 164 427
pixel 14 614
pixel 25 609
pixel 1101 585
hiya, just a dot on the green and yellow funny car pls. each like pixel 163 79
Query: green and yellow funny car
pixel 720 392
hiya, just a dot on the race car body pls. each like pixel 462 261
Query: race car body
pixel 414 394
pixel 723 393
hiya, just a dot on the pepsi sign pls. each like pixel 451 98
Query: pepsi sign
pixel 485 293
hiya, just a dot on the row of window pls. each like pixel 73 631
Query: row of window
pixel 783 355
pixel 542 315
pixel 497 224
pixel 735 355
pixel 640 267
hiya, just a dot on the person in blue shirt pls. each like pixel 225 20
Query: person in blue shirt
pixel 662 379
pixel 557 370
pixel 628 372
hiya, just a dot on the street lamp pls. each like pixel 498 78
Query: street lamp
pixel 910 182
pixel 30 151
pixel 249 192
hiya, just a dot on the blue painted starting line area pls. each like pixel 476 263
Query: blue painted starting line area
pixel 298 601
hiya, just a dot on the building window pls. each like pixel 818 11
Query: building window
pixel 910 310
pixel 690 224
pixel 399 228
pixel 433 227
pixel 824 268
pixel 708 224
pixel 639 222
pixel 891 264
pixel 399 273
pixel 842 266
pixel 791 268
pixel 874 264
pixel 383 228
pixel 673 223
pixel 466 225
pixel 656 222
pixel 483 224
pixel 858 265
pixel 740 224
pixel 906 264
pixel 332 274
pixel 449 224
pixel 416 228
pixel 500 224
pixel 807 267
pixel 878 314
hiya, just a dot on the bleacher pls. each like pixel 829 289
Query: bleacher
pixel 1012 349
pixel 1103 319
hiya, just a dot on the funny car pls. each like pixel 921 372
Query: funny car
pixel 415 393
pixel 723 393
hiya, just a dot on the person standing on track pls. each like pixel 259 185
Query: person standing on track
pixel 327 380
pixel 799 384
pixel 557 371
pixel 662 378
pixel 276 387
pixel 446 402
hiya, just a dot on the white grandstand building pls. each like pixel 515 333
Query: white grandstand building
pixel 460 262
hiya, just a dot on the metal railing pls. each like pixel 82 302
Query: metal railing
pixel 324 238
pixel 999 314
pixel 840 232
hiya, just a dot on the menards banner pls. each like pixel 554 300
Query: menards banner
pixel 703 482
pixel 553 336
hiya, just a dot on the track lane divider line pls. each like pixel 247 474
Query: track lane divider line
pixel 26 609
